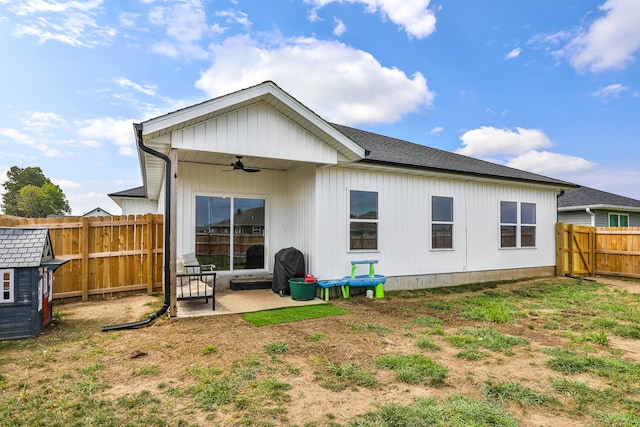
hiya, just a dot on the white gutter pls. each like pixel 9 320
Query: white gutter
pixel 593 216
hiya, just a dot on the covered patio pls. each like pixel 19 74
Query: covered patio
pixel 229 301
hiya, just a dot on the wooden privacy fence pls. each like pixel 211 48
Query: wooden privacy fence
pixel 587 251
pixel 107 255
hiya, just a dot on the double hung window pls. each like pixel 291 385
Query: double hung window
pixel 517 225
pixel 363 220
pixel 441 222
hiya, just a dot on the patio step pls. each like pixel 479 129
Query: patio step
pixel 249 284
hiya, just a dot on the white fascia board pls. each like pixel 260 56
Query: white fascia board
pixel 615 208
pixel 164 124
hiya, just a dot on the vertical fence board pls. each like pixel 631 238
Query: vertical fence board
pixel 107 255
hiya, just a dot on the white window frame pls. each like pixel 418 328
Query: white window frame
pixel 440 222
pixel 3 281
pixel 518 225
pixel 363 221
pixel 618 215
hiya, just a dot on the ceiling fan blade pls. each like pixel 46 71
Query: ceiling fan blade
pixel 251 170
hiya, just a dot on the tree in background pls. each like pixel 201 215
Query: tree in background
pixel 30 194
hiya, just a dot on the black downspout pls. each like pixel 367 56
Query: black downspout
pixel 167 239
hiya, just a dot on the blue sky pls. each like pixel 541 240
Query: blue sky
pixel 548 86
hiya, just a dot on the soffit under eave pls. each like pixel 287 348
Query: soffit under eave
pixel 153 168
pixel 270 94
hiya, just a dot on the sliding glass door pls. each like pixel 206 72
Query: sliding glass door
pixel 230 232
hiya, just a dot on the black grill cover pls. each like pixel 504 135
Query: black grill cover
pixel 289 263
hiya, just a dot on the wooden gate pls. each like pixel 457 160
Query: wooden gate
pixel 575 250
pixel 587 251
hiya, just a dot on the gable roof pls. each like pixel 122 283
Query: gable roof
pixel 396 152
pixel 21 247
pixel 585 197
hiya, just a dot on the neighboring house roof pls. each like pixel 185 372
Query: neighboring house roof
pixel 396 152
pixel 26 247
pixel 136 192
pixel 97 212
pixel 584 197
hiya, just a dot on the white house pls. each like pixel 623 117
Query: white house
pixel 430 217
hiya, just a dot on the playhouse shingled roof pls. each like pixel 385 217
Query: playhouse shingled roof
pixel 26 247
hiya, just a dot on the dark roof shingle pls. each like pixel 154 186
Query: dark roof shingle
pixel 585 196
pixel 22 247
pixel 393 151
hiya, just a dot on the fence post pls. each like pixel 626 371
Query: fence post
pixel 84 248
pixel 148 239
pixel 560 249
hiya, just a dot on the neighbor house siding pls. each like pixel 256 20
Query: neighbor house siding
pixel 259 130
pixel 575 217
pixel 601 217
pixel 405 227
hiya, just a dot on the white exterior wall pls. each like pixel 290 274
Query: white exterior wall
pixel 404 226
pixel 258 131
pixel 204 180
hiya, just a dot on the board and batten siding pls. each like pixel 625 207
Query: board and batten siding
pixel 404 230
pixel 258 130
pixel 289 202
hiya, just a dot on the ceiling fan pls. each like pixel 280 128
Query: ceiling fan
pixel 238 165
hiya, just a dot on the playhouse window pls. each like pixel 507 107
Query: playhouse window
pixel 441 222
pixel 618 220
pixel 230 232
pixel 363 220
pixel 6 287
pixel 517 225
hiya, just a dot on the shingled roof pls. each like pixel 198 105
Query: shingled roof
pixel 590 197
pixel 392 151
pixel 26 247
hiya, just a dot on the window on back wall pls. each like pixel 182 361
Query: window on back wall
pixel 6 286
pixel 618 220
pixel 441 222
pixel 517 225
pixel 363 220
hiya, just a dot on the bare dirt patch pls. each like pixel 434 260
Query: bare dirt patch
pixel 157 358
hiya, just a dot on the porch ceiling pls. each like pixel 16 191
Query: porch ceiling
pixel 224 159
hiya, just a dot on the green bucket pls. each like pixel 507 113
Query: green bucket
pixel 301 290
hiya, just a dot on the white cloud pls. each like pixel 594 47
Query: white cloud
pixel 65 183
pixel 489 141
pixel 513 54
pixel 611 91
pixel 340 28
pixel 146 89
pixel 611 41
pixel 235 17
pixel 24 139
pixel 436 130
pixel 185 25
pixel 413 16
pixel 314 71
pixel 119 132
pixel 68 22
pixel 548 163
